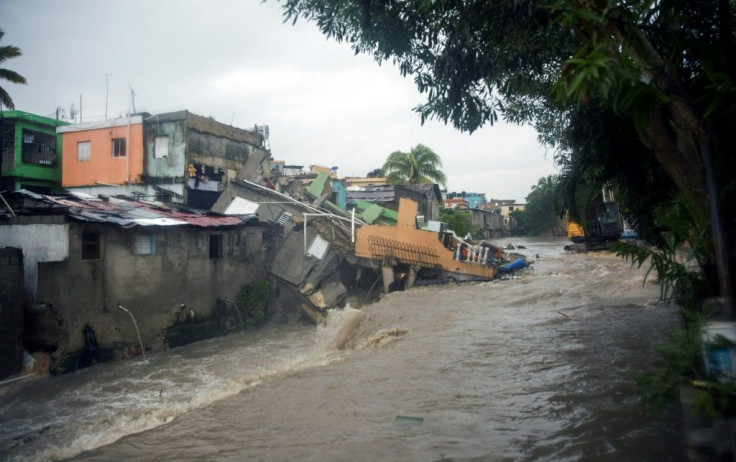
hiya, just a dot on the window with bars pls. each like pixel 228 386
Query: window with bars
pixel 118 147
pixel 39 148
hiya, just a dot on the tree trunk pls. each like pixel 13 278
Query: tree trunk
pixel 681 143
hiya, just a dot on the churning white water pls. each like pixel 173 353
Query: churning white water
pixel 540 367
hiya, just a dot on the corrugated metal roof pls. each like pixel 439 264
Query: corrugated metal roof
pixel 127 212
pixel 372 194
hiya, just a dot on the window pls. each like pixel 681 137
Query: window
pixel 284 218
pixel 84 151
pixel 39 148
pixel 160 147
pixel 319 247
pixel 216 246
pixel 118 147
pixel 91 246
pixel 145 244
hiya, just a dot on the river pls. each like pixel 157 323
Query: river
pixel 536 367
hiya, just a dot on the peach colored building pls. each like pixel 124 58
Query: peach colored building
pixel 104 153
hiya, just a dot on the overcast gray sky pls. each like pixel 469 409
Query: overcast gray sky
pixel 236 61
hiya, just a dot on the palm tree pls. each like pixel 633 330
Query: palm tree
pixel 8 52
pixel 419 165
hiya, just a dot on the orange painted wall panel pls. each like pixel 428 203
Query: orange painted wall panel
pixel 406 240
pixel 102 167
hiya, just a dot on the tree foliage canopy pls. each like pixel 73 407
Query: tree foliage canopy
pixel 638 94
pixel 461 222
pixel 540 214
pixel 8 52
pixel 419 165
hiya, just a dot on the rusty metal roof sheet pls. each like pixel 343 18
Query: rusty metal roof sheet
pixel 127 212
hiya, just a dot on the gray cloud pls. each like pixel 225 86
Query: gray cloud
pixel 238 62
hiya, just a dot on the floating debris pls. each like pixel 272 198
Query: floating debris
pixel 408 421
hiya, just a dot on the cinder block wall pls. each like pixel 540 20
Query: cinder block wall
pixel 11 311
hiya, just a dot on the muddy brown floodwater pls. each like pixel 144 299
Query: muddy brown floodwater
pixel 540 367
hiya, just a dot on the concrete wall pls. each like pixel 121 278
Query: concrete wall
pixel 42 238
pixel 11 311
pixel 429 207
pixel 172 168
pixel 215 151
pixel 201 143
pixel 152 287
pixel 492 223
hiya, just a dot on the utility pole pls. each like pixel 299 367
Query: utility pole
pixel 107 88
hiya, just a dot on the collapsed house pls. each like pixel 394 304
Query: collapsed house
pixel 405 253
pixel 89 261
pixel 85 258
pixel 327 254
pixel 380 203
pixel 309 261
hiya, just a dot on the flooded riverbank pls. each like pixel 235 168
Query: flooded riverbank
pixel 536 368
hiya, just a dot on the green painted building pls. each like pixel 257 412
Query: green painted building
pixel 30 152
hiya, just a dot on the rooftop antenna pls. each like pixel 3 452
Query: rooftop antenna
pixel 132 98
pixel 72 113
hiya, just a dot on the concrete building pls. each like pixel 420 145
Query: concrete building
pixel 191 158
pixel 30 152
pixel 362 182
pixel 175 157
pixel 455 203
pixel 473 199
pixel 85 257
pixel 504 207
pixel 491 221
pixel 426 195
pixel 11 311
